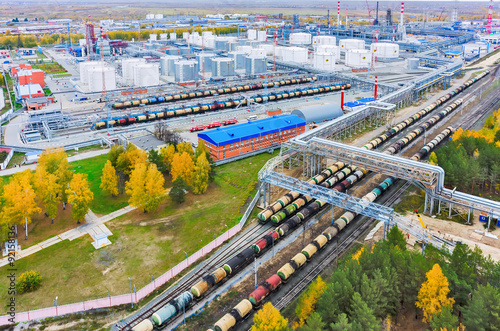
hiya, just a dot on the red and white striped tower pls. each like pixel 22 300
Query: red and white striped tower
pixel 402 29
pixel 319 29
pixel 342 97
pixel 338 14
pixel 490 16
pixel 376 80
pixel 402 12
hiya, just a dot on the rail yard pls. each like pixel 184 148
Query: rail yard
pixel 352 113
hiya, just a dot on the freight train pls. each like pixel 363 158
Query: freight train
pixel 202 108
pixel 207 93
pixel 401 126
pixel 432 144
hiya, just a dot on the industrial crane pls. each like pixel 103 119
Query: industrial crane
pixel 440 15
pixel 369 12
pixel 422 223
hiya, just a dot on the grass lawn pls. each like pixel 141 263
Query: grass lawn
pixel 17 158
pixel 143 245
pixel 50 68
pixel 103 203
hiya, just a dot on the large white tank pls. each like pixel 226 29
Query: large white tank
pixel 146 74
pixel 300 38
pixel 331 49
pixel 84 69
pixel 346 44
pixel 128 68
pixel 385 50
pixel 239 59
pixel 204 62
pixel 358 58
pixel 95 76
pixel 222 67
pixel 323 40
pixel 186 70
pixel 324 61
pixel 185 35
pixel 163 36
pixel 207 34
pixel 153 37
pixel 167 67
pixel 209 41
pixel 251 34
pixel 255 65
pixel 269 49
pixel 295 54
pixel 279 51
pixel 258 52
pixel 246 49
pixel 173 36
pixel 262 36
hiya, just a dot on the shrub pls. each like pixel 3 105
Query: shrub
pixel 29 281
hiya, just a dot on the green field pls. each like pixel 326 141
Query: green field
pixel 143 245
pixel 50 68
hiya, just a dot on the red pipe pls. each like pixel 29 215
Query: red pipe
pixel 375 87
pixel 342 98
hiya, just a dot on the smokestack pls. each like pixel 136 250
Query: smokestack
pixel 376 79
pixel 342 98
pixel 401 20
pixel 338 14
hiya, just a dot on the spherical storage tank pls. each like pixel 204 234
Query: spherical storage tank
pixel 346 44
pixel 331 49
pixel 324 61
pixel 358 58
pixel 385 50
pixel 295 54
pixel 300 38
pixel 319 113
pixel 146 74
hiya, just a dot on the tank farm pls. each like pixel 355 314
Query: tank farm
pixel 292 209
pixel 199 108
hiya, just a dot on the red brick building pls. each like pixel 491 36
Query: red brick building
pixel 15 68
pixel 34 76
pixel 237 140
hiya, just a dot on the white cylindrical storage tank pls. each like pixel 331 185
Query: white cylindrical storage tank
pixel 246 49
pixel 324 61
pixel 163 36
pixel 262 36
pixel 204 59
pixel 346 44
pixel 209 41
pixel 153 37
pixel 257 52
pixel 185 35
pixel 300 38
pixel 186 70
pixel 331 49
pixel 279 51
pixel 385 50
pixel 295 54
pixel 251 34
pixel 255 65
pixel 173 36
pixel 413 63
pixel 167 67
pixel 222 67
pixel 358 58
pixel 239 59
pixel 207 34
pixel 128 68
pixel 84 69
pixel 323 40
pixel 269 49
pixel 146 74
pixel 95 76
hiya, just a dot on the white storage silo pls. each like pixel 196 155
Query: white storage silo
pixel 128 68
pixel 257 52
pixel 222 67
pixel 207 34
pixel 185 35
pixel 331 49
pixel 245 49
pixel 84 69
pixel 173 36
pixel 95 76
pixel 146 74
pixel 346 44
pixel 279 51
pixel 153 37
pixel 167 67
pixel 186 70
pixel 358 58
pixel 204 59
pixel 269 49
pixel 323 40
pixel 295 54
pixel 239 59
pixel 251 34
pixel 163 36
pixel 255 65
pixel 385 50
pixel 300 38
pixel 208 41
pixel 262 36
pixel 324 61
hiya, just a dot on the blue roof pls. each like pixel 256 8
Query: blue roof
pixel 364 100
pixel 453 52
pixel 353 104
pixel 227 135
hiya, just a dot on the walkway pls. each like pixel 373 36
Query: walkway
pixel 94 226
pixel 77 157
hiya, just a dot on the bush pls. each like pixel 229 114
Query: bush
pixel 29 281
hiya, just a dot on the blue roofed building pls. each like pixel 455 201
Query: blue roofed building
pixel 252 137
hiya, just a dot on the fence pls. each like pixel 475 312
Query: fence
pixel 124 298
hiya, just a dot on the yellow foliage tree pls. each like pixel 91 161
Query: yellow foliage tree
pixel 128 160
pixel 269 318
pixel 356 255
pixel 109 180
pixel 79 196
pixel 48 190
pixel 307 302
pixel 167 156
pixel 183 166
pixel 55 161
pixel 433 159
pixel 145 187
pixel 433 294
pixel 458 134
pixel 19 200
pixel 200 175
pixel 185 147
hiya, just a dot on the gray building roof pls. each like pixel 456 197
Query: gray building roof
pixel 319 113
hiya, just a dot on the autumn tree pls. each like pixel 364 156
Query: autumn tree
pixel 79 196
pixel 132 156
pixel 307 302
pixel 109 180
pixel 433 294
pixel 19 200
pixel 269 318
pixel 185 147
pixel 314 323
pixel 55 161
pixel 167 156
pixel 433 159
pixel 183 166
pixel 114 153
pixel 200 175
pixel 48 190
pixel 145 187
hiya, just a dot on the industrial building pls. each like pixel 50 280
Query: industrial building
pixel 31 76
pixel 248 138
pixel 319 113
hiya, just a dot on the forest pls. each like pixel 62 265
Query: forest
pixel 472 159
pixel 387 285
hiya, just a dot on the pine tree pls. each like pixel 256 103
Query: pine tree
pixel 79 196
pixel 109 180
pixel 433 294
pixel 342 324
pixel 269 318
pixel 183 166
pixel 307 302
pixel 483 311
pixel 362 316
pixel 337 297
pixel 313 323
pixel 396 238
pixel 200 175
pixel 445 319
pixel 178 191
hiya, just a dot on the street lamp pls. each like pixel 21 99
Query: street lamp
pixel 55 304
pixel 227 228
pixel 131 297
pixel 186 255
